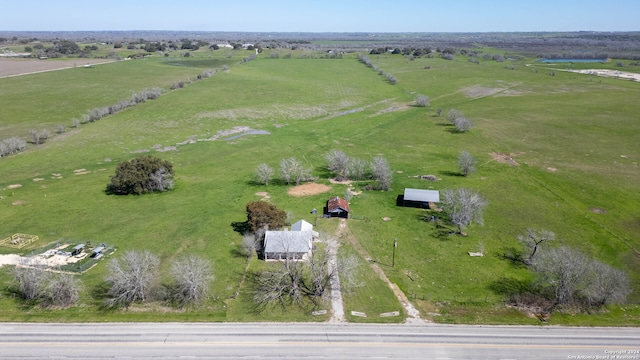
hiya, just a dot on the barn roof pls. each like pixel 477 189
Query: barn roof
pixel 336 203
pixel 421 195
pixel 287 241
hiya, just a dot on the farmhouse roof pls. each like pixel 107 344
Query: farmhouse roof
pixel 287 241
pixel 301 225
pixel 337 203
pixel 421 195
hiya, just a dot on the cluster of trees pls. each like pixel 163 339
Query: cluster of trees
pixel 135 277
pixel 46 288
pixel 39 137
pixel 59 48
pixel 141 175
pixel 365 60
pixel 407 51
pixel 291 171
pixel 12 146
pixel 345 167
pixel 461 123
pixel 567 276
pixel 292 282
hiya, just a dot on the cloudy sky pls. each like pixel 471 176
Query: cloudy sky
pixel 321 15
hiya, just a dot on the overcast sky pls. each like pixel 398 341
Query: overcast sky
pixel 321 15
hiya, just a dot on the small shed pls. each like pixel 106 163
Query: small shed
pixel 337 207
pixel 287 245
pixel 419 198
pixel 78 249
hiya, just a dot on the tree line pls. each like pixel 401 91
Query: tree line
pixel 16 144
pixel 343 167
pixel 134 277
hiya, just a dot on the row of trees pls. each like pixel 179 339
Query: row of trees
pixel 136 98
pixel 345 167
pixel 291 170
pixel 134 277
pixel 365 60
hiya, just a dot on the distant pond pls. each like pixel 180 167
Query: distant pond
pixel 572 60
pixel 250 132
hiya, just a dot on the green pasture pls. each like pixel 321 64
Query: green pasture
pixel 575 142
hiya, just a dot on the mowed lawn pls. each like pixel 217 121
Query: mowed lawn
pixel 575 142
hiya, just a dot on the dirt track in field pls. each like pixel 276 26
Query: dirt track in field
pixel 16 67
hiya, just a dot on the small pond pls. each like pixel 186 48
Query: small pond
pixel 251 132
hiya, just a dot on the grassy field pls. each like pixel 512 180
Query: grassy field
pixel 575 142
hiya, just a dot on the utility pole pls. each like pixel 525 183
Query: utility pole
pixel 393 256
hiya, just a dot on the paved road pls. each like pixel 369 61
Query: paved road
pixel 312 341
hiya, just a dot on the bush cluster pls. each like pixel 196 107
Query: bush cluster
pixel 11 146
pixel 141 175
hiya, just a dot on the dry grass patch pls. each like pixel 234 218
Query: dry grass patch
pixel 478 91
pixel 308 189
pixel 504 158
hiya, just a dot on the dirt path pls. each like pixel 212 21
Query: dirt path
pixel 344 233
pixel 17 67
pixel 337 305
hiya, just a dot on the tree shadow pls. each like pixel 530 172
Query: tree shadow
pixel 241 227
pixel 22 303
pixel 513 255
pixel 511 286
pixel 100 293
pixel 455 131
pixel 451 173
pixel 444 124
pixel 237 253
pixel 323 172
pixel 442 232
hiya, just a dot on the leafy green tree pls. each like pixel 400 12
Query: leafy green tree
pixel 141 175
pixel 261 214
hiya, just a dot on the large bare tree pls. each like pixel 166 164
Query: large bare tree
pixel 192 276
pixel 381 172
pixel 264 173
pixel 338 163
pixel 533 239
pixel 132 277
pixel 572 276
pixel 463 206
pixel 422 100
pixel 466 163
